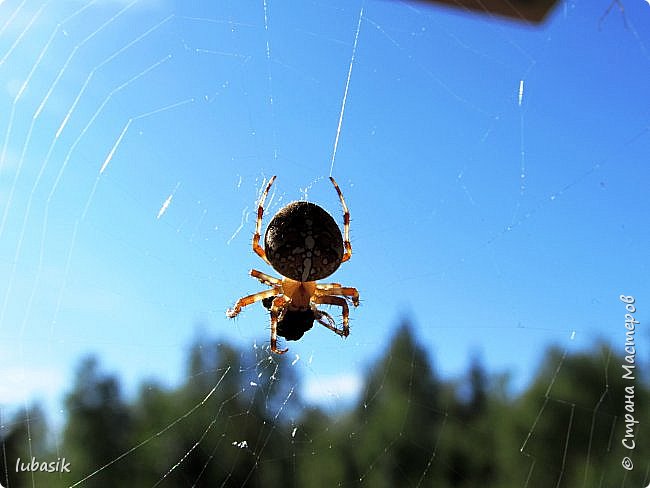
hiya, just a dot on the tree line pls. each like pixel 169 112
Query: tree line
pixel 239 420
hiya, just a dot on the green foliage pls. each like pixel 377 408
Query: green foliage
pixel 239 420
pixel 100 426
pixel 577 439
pixel 24 437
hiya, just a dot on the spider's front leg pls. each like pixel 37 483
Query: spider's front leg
pixel 266 279
pixel 333 289
pixel 259 250
pixel 327 286
pixel 346 223
pixel 250 299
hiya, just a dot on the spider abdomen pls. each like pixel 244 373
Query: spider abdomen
pixel 303 242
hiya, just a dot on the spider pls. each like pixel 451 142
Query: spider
pixel 302 243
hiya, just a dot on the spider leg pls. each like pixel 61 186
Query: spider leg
pixel 346 291
pixel 340 302
pixel 266 279
pixel 346 224
pixel 259 250
pixel 277 307
pixel 330 324
pixel 249 299
pixel 327 286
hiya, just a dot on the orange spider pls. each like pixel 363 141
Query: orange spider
pixel 302 243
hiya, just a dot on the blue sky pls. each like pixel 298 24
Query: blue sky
pixel 495 174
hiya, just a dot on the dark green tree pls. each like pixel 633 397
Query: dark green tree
pixel 238 420
pixel 224 425
pixel 571 420
pixel 23 438
pixel 98 430
pixel 395 429
pixel 468 441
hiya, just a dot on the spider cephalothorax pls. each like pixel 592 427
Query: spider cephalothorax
pixel 303 244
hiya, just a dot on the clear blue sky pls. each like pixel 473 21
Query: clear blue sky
pixel 496 173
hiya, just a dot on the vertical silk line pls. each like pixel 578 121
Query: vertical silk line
pixel 345 93
pixel 269 78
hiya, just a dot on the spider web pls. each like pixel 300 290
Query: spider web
pixel 495 176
